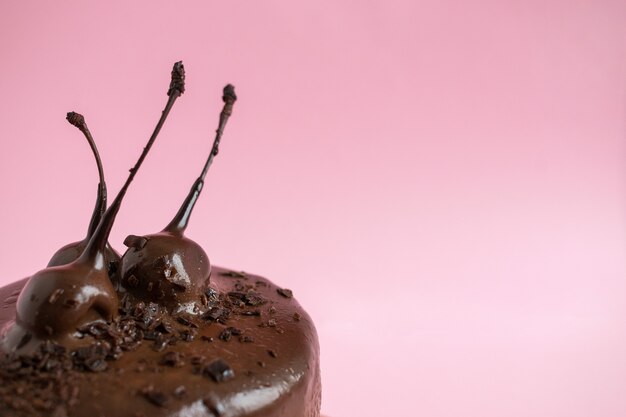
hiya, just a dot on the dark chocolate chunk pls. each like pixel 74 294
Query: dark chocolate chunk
pixel 218 370
pixel 188 335
pixel 96 364
pixel 285 292
pixel 225 335
pixel 214 313
pixel 132 281
pixel 173 359
pixel 135 242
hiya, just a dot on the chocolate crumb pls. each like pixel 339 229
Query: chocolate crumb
pixel 219 371
pixel 272 353
pixel 285 292
pixel 132 281
pixel 197 360
pixel 261 364
pixel 225 335
pixel 96 364
pixel 206 338
pixel 296 316
pixel 246 339
pixel 173 359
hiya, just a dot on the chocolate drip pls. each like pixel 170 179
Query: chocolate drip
pixel 181 220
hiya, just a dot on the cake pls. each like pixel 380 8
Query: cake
pixel 158 331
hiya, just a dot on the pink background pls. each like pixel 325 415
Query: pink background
pixel 441 183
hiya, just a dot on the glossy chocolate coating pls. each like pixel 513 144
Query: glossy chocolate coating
pixel 286 384
pixel 72 251
pixel 58 300
pixel 167 268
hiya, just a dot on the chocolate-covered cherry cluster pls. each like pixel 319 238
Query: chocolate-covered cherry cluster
pixel 84 279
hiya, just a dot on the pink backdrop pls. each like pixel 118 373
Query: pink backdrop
pixel 441 183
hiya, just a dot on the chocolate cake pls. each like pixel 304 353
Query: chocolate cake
pixel 157 331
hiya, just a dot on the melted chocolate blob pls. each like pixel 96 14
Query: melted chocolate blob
pixel 58 300
pixel 167 267
pixel 72 251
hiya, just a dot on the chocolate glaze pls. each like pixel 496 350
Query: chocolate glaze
pixel 275 374
pixel 167 340
pixel 166 268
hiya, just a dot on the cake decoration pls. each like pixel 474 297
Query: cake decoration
pixel 72 251
pixel 165 334
pixel 167 266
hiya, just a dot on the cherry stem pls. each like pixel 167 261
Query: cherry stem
pixel 78 121
pixel 181 220
pixel 94 251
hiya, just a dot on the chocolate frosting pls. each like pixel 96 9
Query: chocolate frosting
pixel 259 359
pixel 159 337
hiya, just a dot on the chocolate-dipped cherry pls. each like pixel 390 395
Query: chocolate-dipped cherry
pixel 60 299
pixel 167 267
pixel 72 251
